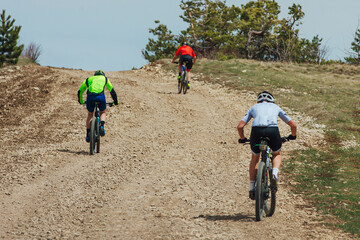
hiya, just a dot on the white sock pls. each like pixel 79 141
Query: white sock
pixel 252 185
pixel 275 172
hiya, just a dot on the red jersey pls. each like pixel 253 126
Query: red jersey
pixel 185 50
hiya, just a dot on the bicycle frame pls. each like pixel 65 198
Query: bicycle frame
pixel 97 113
pixel 265 149
pixel 95 128
pixel 183 81
pixel 262 186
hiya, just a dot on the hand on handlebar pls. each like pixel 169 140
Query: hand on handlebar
pixel 245 140
pixel 288 138
pixel 291 137
pixel 113 104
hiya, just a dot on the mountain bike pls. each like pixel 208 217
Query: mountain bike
pixel 95 129
pixel 184 79
pixel 263 188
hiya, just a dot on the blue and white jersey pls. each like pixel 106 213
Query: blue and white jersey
pixel 265 115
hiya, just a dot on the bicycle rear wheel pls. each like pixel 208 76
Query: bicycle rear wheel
pixel 92 136
pixel 97 137
pixel 260 191
pixel 185 84
pixel 179 85
pixel 270 211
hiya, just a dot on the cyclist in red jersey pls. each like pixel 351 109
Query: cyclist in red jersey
pixel 187 55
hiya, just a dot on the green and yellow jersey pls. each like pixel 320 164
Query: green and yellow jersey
pixel 96 85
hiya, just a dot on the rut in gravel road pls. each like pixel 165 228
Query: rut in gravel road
pixel 169 168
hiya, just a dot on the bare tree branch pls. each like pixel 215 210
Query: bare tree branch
pixel 33 51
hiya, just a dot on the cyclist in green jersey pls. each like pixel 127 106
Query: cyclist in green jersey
pixel 95 93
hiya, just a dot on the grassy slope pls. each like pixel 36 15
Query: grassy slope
pixel 328 177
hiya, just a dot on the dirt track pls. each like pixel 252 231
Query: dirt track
pixel 169 168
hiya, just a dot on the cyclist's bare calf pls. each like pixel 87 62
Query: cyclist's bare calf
pixel 180 69
pixel 253 166
pixel 255 161
pixel 90 116
pixel 189 76
pixel 276 162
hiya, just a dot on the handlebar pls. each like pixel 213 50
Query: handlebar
pixel 247 141
pixel 109 104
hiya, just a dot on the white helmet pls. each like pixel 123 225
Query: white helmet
pixel 265 96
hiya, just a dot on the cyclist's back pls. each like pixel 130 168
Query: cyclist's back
pixel 265 115
pixel 185 50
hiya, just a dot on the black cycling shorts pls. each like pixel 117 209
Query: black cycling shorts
pixel 188 59
pixel 271 132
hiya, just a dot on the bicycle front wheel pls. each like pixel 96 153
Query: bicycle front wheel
pixel 92 136
pixel 260 191
pixel 97 136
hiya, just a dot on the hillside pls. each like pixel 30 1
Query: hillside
pixel 170 166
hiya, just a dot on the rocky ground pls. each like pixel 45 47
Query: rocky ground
pixel 170 166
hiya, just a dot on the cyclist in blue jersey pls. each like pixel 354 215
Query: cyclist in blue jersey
pixel 265 114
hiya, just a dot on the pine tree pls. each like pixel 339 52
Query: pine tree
pixel 9 35
pixel 354 57
pixel 162 47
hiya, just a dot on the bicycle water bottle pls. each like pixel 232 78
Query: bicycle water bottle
pixel 183 68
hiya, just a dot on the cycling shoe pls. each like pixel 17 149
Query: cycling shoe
pixel 102 131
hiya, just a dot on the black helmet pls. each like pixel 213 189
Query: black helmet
pixel 99 72
pixel 184 43
pixel 265 96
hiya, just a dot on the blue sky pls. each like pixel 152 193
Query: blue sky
pixel 110 34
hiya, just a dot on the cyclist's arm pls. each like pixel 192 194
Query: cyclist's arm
pixel 82 89
pixel 176 55
pixel 194 56
pixel 240 129
pixel 110 87
pixel 293 127
pixel 288 121
pixel 243 122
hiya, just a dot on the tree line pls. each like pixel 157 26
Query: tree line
pixel 252 31
pixel 215 30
